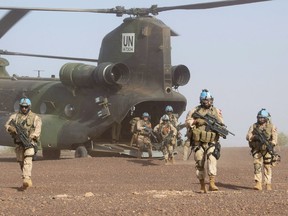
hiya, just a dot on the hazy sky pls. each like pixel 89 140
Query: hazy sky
pixel 239 53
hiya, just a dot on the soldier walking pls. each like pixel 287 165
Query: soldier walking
pixel 31 123
pixel 263 154
pixel 204 141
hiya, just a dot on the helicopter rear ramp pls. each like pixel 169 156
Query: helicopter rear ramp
pixel 121 149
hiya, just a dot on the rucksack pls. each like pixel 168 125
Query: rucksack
pixel 133 123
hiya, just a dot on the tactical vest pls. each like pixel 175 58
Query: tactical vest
pixel 267 129
pixel 26 121
pixel 201 133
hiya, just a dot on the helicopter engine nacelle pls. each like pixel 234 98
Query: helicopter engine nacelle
pixel 180 75
pixel 87 76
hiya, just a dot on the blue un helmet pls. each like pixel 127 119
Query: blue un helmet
pixel 145 114
pixel 169 108
pixel 263 113
pixel 165 118
pixel 206 99
pixel 25 105
pixel 25 102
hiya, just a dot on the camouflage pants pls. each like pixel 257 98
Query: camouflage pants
pixel 259 164
pixel 168 151
pixel 144 143
pixel 202 152
pixel 24 157
pixel 186 148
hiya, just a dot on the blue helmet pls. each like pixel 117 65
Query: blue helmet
pixel 25 102
pixel 165 118
pixel 205 94
pixel 263 113
pixel 145 114
pixel 169 109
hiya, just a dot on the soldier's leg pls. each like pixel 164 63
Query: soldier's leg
pixel 19 151
pixel 149 146
pixel 257 161
pixel 166 154
pixel 199 158
pixel 186 148
pixel 212 168
pixel 268 171
pixel 27 167
pixel 140 144
pixel 170 152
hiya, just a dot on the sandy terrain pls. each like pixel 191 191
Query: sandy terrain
pixel 129 186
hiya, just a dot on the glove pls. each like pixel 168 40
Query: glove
pixel 200 121
pixel 12 130
pixel 269 148
pixel 33 138
pixel 255 138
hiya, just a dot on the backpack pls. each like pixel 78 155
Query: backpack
pixel 133 123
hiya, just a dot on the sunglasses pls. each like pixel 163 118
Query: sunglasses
pixel 24 107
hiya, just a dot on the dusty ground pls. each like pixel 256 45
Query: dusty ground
pixel 128 186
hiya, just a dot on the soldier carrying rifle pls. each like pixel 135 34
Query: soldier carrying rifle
pixel 262 138
pixel 25 128
pixel 205 126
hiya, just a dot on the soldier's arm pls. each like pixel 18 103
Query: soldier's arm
pixel 139 126
pixel 274 139
pixel 38 125
pixel 7 125
pixel 189 119
pixel 156 128
pixel 220 116
pixel 174 130
pixel 249 135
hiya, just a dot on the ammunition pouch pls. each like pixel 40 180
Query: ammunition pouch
pixel 203 136
pixel 216 152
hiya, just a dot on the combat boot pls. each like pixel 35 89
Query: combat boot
pixel 258 186
pixel 203 187
pixel 27 183
pixel 212 186
pixel 269 187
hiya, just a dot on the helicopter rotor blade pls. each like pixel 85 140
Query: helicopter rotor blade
pixel 209 5
pixel 16 13
pixel 5 52
pixel 10 19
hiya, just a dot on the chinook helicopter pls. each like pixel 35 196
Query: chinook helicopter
pixel 88 103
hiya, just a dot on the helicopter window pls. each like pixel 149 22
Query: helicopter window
pixel 69 110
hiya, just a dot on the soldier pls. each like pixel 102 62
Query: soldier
pixel 174 121
pixel 167 132
pixel 204 141
pixel 262 154
pixel 143 126
pixel 32 126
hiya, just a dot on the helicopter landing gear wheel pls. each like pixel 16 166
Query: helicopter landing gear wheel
pixel 51 154
pixel 81 152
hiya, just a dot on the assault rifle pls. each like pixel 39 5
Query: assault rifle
pixel 264 140
pixel 214 124
pixel 180 126
pixel 21 135
pixel 167 139
pixel 151 134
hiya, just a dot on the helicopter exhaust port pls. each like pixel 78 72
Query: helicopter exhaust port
pixel 86 76
pixel 180 75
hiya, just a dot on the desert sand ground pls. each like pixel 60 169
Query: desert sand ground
pixel 130 186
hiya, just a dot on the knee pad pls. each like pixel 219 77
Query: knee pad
pixel 257 168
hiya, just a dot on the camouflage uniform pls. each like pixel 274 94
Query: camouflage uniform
pixel 164 129
pixel 261 156
pixel 174 121
pixel 32 123
pixel 203 142
pixel 143 139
